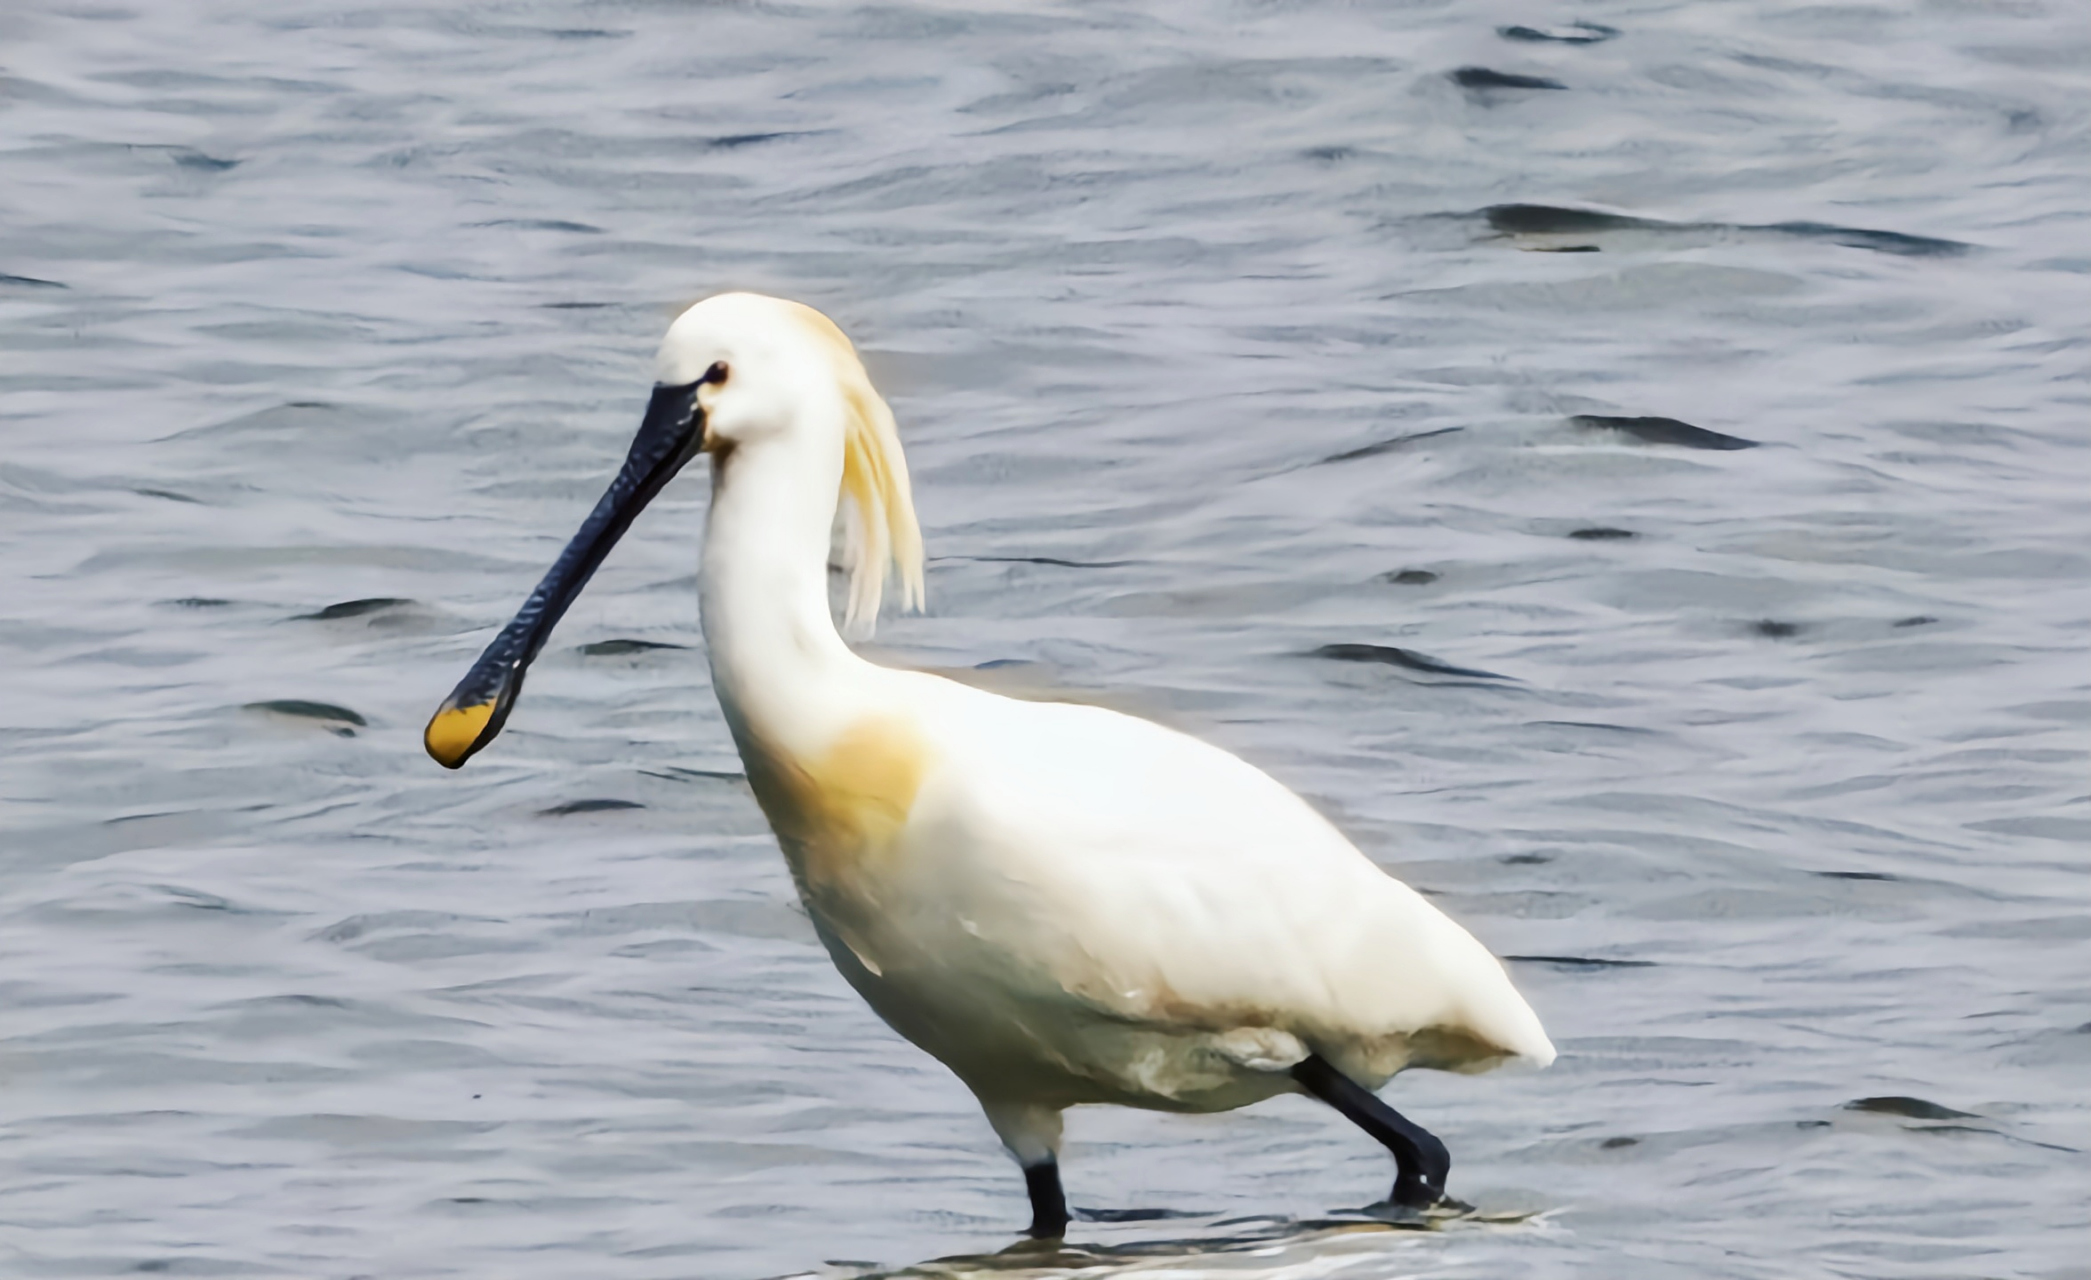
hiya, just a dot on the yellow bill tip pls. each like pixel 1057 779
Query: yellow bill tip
pixel 455 731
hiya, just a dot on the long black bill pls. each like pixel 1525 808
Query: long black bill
pixel 474 712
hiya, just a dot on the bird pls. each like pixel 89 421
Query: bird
pixel 1063 904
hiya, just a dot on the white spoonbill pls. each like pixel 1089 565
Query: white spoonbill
pixel 1063 904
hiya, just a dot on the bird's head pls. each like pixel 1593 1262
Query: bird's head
pixel 751 364
pixel 735 371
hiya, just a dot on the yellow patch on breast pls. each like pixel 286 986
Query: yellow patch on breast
pixel 837 813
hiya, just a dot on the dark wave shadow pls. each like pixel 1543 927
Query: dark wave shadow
pixel 1554 229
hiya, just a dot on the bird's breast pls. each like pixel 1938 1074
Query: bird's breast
pixel 838 810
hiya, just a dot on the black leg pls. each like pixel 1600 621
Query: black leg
pixel 1420 1160
pixel 1048 1205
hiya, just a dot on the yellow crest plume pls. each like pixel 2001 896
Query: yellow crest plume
pixel 879 517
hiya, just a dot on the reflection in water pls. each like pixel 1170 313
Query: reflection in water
pixel 1265 1248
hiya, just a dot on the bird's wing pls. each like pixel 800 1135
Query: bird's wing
pixel 1163 880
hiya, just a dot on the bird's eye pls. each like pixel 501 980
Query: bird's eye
pixel 715 375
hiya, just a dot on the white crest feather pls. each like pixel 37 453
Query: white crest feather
pixel 878 508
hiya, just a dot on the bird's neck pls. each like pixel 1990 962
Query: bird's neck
pixel 782 673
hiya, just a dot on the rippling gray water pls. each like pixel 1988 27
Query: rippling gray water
pixel 1220 336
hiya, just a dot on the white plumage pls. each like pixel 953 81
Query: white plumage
pixel 1063 904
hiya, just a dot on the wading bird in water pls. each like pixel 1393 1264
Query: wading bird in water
pixel 1063 904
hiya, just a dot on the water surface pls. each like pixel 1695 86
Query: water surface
pixel 1232 346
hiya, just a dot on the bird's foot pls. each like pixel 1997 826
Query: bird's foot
pixel 1426 1195
pixel 1420 1172
pixel 1419 1216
